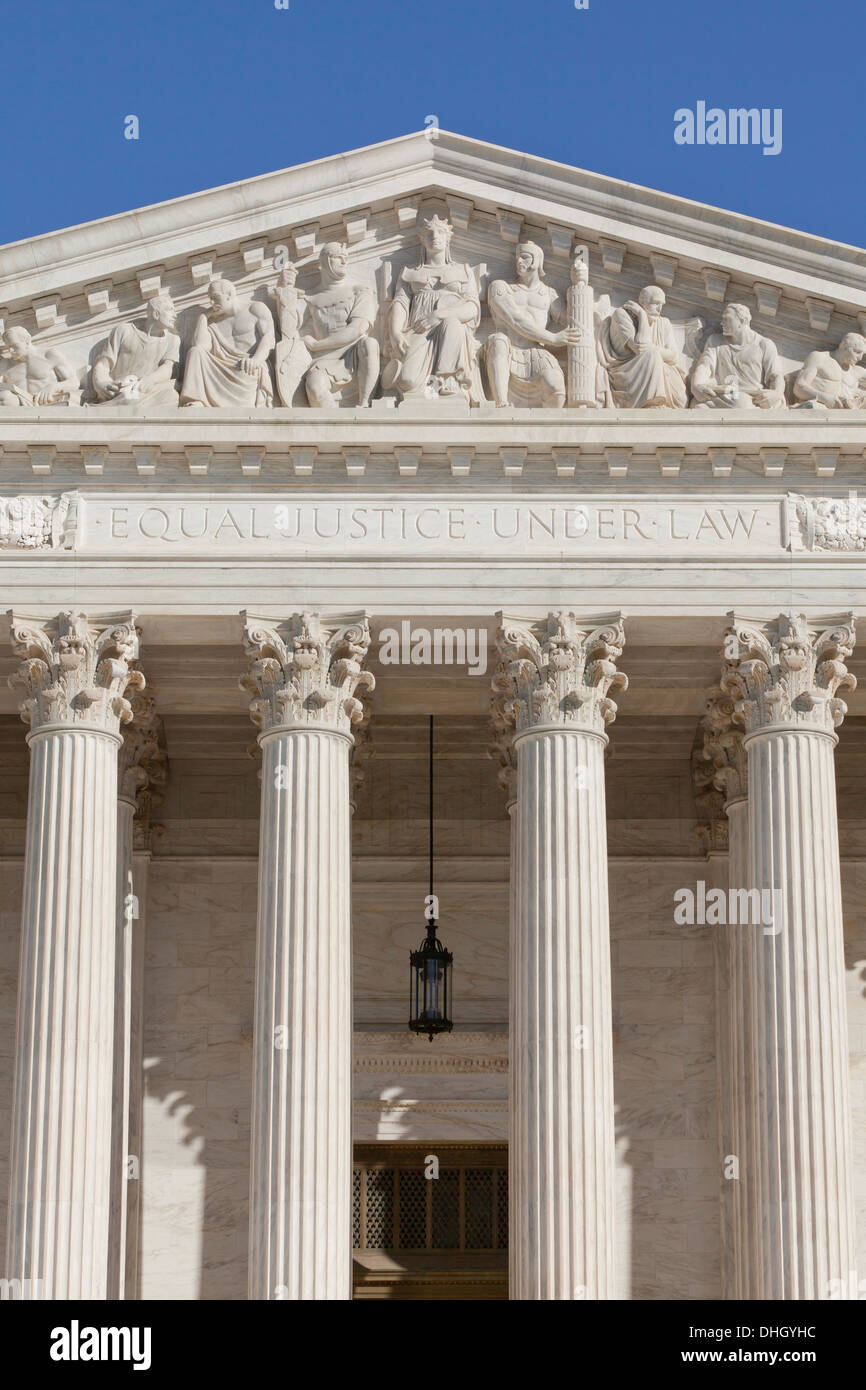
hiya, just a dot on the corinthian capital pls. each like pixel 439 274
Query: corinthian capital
pixel 787 671
pixel 306 670
pixel 75 670
pixel 723 748
pixel 141 760
pixel 557 672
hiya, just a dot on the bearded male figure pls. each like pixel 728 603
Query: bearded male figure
pixel 227 364
pixel 639 357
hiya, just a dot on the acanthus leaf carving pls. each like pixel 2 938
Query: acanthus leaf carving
pixel 307 670
pixel 788 670
pixel 76 670
pixel 558 671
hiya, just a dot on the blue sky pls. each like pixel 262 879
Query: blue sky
pixel 227 89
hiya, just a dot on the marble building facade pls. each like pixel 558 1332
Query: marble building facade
pixel 432 386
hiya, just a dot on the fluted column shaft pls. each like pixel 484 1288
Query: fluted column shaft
pixel 301 1194
pixel 75 674
pixel 125 929
pixel 550 709
pixel 562 1115
pixel 303 674
pixel 804 1137
pixel 784 675
pixel 739 948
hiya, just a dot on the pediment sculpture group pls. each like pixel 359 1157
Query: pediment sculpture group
pixel 542 351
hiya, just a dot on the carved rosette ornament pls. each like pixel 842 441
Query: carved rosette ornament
pixel 724 749
pixel 786 672
pixel 558 673
pixel 306 671
pixel 75 670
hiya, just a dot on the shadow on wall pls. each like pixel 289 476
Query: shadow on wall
pixel 198 1057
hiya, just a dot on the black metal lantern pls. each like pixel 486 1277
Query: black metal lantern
pixel 430 967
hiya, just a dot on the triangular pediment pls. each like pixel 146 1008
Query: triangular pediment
pixel 70 288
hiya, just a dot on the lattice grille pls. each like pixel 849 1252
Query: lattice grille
pixel 395 1207
pixel 357 1177
pixel 413 1210
pixel 502 1209
pixel 446 1209
pixel 380 1208
pixel 479 1186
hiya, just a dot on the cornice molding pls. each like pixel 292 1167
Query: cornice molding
pixel 396 172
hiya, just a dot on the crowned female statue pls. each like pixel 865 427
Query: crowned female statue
pixel 432 322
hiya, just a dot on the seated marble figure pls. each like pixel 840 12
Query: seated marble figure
pixel 639 357
pixel 432 322
pixel 738 368
pixel 227 363
pixel 140 364
pixel 519 356
pixel 831 380
pixel 29 378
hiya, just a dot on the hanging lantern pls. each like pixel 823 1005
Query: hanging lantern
pixel 430 986
pixel 430 966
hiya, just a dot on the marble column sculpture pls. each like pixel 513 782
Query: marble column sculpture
pixel 141 762
pixel 74 672
pixel 551 692
pixel 783 676
pixel 725 754
pixel 303 677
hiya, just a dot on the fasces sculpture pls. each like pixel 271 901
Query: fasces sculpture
pixel 738 369
pixel 28 378
pixel 227 363
pixel 140 364
pixel 432 322
pixel 340 316
pixel 831 379
pixel 291 357
pixel 639 357
pixel 518 352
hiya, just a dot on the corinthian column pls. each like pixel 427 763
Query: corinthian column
pixel 724 757
pixel 551 695
pixel 302 678
pixel 782 676
pixel 74 673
